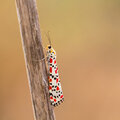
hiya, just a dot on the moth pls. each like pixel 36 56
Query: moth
pixel 55 89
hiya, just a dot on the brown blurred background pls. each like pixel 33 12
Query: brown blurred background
pixel 86 36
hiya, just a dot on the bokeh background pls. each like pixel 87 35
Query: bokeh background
pixel 86 36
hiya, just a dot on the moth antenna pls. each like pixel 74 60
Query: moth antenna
pixel 48 36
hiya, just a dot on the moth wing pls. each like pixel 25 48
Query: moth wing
pixel 55 90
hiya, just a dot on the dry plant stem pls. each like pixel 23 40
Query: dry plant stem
pixel 33 51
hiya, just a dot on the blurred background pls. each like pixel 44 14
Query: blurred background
pixel 86 37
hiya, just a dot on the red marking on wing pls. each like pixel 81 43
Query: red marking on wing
pixel 56 70
pixel 61 96
pixel 50 80
pixel 54 100
pixel 50 87
pixel 57 80
pixel 55 62
pixel 51 60
pixel 51 97
pixel 57 88
pixel 50 69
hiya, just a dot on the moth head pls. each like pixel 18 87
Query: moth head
pixel 50 49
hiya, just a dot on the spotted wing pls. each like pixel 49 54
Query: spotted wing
pixel 55 90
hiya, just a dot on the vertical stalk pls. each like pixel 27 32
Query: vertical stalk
pixel 33 53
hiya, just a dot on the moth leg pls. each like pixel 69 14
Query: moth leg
pixel 41 59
